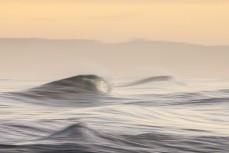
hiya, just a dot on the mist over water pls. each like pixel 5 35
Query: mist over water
pixel 67 57
pixel 87 113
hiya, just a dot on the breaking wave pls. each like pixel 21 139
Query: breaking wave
pixel 69 87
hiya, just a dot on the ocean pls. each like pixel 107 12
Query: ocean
pixel 92 114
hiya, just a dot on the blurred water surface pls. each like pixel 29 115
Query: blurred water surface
pixel 79 114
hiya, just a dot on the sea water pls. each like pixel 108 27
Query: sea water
pixel 88 114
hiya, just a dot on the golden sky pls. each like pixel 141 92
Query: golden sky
pixel 193 21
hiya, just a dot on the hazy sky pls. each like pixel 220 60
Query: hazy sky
pixel 194 21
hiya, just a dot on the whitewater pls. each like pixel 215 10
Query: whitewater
pixel 93 114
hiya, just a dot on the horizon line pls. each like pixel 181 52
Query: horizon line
pixel 117 42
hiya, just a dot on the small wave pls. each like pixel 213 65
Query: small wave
pixel 205 101
pixel 81 139
pixel 78 130
pixel 148 80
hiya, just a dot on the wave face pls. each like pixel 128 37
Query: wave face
pixel 81 114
